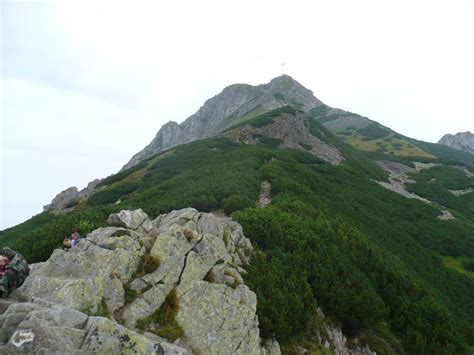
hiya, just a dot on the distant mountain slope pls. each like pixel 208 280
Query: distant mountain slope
pixel 462 141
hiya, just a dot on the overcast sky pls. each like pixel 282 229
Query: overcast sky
pixel 86 84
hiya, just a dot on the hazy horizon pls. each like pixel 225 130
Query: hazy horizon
pixel 79 100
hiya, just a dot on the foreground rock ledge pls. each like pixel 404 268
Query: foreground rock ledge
pixel 76 301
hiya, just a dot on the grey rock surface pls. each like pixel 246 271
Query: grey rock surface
pixel 331 337
pixel 136 220
pixel 462 141
pixel 219 319
pixel 61 201
pixel 264 197
pixel 291 130
pixel 38 328
pixel 79 301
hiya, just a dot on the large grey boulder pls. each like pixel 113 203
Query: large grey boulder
pixel 32 328
pixel 91 298
pixel 107 337
pixel 134 220
pixel 50 328
pixel 218 319
pixel 89 275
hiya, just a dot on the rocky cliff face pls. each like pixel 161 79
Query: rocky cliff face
pixel 65 200
pixel 461 141
pixel 225 109
pixel 99 298
pixel 292 131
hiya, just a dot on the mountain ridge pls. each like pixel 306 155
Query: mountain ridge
pixel 377 237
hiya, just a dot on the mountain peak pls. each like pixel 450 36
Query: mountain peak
pixel 233 103
pixel 283 77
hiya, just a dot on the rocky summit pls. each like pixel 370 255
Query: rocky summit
pixel 226 109
pixel 99 297
pixel 461 141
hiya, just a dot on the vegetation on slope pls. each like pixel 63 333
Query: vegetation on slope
pixel 331 238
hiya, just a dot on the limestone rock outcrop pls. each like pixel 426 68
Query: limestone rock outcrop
pixel 462 141
pixel 292 131
pixel 65 200
pixel 97 297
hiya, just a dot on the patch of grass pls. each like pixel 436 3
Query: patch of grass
pixel 374 131
pixel 72 203
pixel 111 195
pixel 171 331
pixel 296 104
pixel 189 234
pixel 165 318
pixel 147 265
pixel 144 323
pixel 318 111
pixel 457 263
pixel 168 310
pixel 329 118
pixel 397 146
pixel 306 146
pixel 103 310
pixel 272 142
pixel 225 237
pixel 265 118
pixel 130 295
pixel 210 277
pixel 121 175
pixel 261 121
pixel 382 340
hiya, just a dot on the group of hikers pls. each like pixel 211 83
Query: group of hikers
pixel 68 243
pixel 13 271
pixel 14 268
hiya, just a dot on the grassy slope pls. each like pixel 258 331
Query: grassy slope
pixel 342 213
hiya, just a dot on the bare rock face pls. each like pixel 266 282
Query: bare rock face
pixel 32 328
pixel 332 338
pixel 292 131
pixel 63 201
pixel 222 111
pixel 462 141
pixel 79 301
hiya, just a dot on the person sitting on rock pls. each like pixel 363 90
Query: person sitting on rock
pixel 16 271
pixel 3 264
pixel 69 243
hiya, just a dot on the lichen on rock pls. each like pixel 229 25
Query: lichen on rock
pixel 93 297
